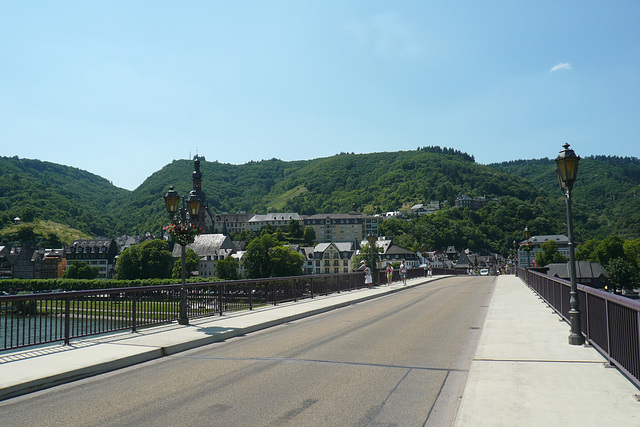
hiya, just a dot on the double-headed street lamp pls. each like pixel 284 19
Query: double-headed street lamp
pixel 183 233
pixel 567 163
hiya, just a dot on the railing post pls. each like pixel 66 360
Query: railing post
pixel 251 296
pixel 134 311
pixel 220 299
pixel 67 320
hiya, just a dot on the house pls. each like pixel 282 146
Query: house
pixel 451 254
pixel 391 253
pixel 334 257
pixel 465 201
pixel 210 248
pixel 274 220
pixel 343 227
pixel 99 253
pixel 227 223
pixel 421 209
pixel 21 265
pixel 49 263
pixel 587 273
pixel 5 262
pixel 308 267
pixel 526 258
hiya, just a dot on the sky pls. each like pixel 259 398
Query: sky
pixel 122 88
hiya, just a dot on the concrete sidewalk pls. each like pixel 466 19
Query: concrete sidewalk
pixel 525 373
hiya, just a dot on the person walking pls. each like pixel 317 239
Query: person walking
pixel 389 273
pixel 368 279
pixel 430 271
pixel 403 273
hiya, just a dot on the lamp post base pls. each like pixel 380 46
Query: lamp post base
pixel 575 337
pixel 183 321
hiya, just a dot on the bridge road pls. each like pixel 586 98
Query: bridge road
pixel 401 359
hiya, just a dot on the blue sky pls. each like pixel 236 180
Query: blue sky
pixel 122 88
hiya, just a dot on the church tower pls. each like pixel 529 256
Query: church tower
pixel 196 176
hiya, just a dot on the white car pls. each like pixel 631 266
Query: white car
pixel 484 272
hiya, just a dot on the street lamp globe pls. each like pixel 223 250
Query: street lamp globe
pixel 567 167
pixel 193 204
pixel 171 201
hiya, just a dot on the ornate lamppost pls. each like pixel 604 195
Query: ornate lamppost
pixel 183 233
pixel 567 170
pixel 528 246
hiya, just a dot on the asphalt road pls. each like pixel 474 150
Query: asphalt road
pixel 397 360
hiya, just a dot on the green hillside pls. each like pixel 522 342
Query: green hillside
pixel 606 192
pixel 526 191
pixel 32 189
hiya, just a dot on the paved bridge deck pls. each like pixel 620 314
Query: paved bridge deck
pixel 524 371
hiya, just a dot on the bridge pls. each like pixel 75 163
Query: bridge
pixel 514 366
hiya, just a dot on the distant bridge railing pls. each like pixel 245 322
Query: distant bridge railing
pixel 41 318
pixel 611 323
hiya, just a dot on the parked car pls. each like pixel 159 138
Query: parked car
pixel 484 272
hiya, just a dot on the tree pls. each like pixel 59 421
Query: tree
pixel 256 261
pixel 584 252
pixel 609 249
pixel 285 262
pixel 549 254
pixel 295 231
pixel 309 235
pixel 622 274
pixel 148 260
pixel 227 269
pixel 265 257
pixel 81 270
pixel 191 260
pixel 371 256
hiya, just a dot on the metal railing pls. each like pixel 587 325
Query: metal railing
pixel 611 323
pixel 34 319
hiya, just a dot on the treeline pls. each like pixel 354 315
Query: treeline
pixel 14 286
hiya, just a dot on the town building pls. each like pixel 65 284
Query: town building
pixel 277 221
pixel 5 262
pixel 101 253
pixel 226 223
pixel 587 273
pixel 422 209
pixel 21 265
pixel 210 248
pixel 49 263
pixel 334 257
pixel 342 227
pixel 528 249
pixel 465 201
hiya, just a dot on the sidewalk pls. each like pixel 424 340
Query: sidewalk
pixel 525 373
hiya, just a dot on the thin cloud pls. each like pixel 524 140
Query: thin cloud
pixel 564 66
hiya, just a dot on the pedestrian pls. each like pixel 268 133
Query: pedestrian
pixel 389 273
pixel 368 280
pixel 430 272
pixel 403 273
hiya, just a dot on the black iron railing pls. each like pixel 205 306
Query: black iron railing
pixel 33 319
pixel 611 323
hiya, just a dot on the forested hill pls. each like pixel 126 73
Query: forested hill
pixel 373 183
pixel 607 191
pixel 33 189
